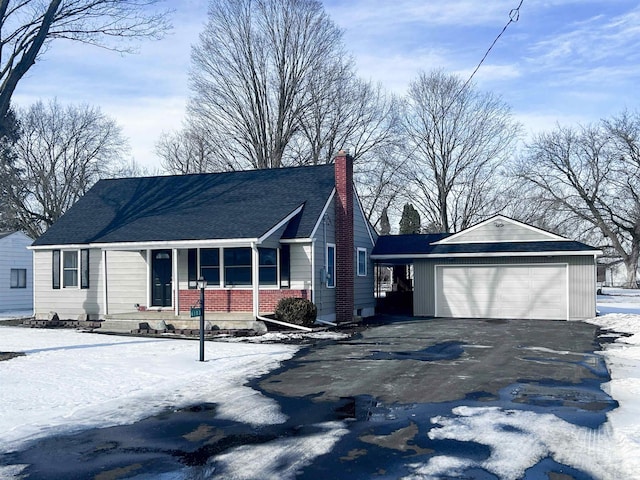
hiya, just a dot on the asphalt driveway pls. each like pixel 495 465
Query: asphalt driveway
pixel 406 360
pixel 376 395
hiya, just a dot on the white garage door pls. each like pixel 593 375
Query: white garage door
pixel 502 291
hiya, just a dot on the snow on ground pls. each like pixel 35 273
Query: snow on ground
pixel 69 380
pixel 519 439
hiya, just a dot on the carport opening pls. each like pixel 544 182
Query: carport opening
pixel 394 288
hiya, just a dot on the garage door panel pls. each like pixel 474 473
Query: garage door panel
pixel 502 291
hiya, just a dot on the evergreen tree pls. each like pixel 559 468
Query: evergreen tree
pixel 410 220
pixel 385 226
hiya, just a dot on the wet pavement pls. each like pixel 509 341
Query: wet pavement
pixel 380 389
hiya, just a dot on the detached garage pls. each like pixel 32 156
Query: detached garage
pixel 499 268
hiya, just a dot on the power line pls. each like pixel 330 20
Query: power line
pixel 514 16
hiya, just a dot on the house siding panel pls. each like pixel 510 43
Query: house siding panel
pixel 68 303
pixel 15 255
pixel 364 301
pixel 324 297
pixel 300 267
pixel 581 281
pixel 508 232
pixel 126 280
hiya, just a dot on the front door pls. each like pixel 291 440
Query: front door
pixel 161 272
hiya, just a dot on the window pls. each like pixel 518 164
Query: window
pixel 237 266
pixel 362 262
pixel 55 269
pixel 331 265
pixel 18 278
pixel 268 269
pixel 210 265
pixel 192 267
pixel 70 269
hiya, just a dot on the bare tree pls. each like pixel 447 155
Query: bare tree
pixel 192 150
pixel 27 26
pixel 253 70
pixel 344 112
pixel 590 175
pixel 60 154
pixel 456 138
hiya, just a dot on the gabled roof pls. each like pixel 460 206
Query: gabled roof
pixel 501 229
pixel 231 205
pixel 497 236
pixel 9 233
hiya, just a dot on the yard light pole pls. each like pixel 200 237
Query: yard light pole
pixel 202 283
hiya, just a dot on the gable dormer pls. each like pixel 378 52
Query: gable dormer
pixel 500 229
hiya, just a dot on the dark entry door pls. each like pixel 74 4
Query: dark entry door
pixel 161 267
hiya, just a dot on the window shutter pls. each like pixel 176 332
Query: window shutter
pixel 55 269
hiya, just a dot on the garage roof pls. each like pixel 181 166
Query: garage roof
pixel 440 245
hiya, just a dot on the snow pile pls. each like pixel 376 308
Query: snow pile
pixel 70 380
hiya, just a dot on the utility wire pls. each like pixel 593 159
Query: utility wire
pixel 514 16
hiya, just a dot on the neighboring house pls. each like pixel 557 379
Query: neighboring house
pixel 16 272
pixel 139 244
pixel 613 273
pixel 499 268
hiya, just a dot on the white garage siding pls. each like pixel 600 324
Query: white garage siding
pixel 580 271
pixel 502 291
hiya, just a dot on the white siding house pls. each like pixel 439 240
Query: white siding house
pixel 135 246
pixel 16 272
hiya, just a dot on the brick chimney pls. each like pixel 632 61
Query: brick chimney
pixel 344 237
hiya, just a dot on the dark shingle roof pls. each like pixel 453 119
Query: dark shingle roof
pixel 243 204
pixel 423 245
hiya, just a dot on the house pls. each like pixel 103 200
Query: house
pixel 613 273
pixel 499 268
pixel 138 245
pixel 16 272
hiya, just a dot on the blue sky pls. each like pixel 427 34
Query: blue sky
pixel 564 61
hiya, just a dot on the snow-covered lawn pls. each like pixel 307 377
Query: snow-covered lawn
pixel 70 380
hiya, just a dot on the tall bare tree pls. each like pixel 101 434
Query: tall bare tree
pixel 27 27
pixel 60 154
pixel 192 150
pixel 590 175
pixel 457 138
pixel 254 70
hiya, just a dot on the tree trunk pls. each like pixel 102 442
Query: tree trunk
pixel 631 263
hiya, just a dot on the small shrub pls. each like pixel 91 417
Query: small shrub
pixel 298 311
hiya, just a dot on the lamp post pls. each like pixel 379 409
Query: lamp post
pixel 202 283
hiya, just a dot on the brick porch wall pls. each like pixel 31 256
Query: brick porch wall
pixel 229 300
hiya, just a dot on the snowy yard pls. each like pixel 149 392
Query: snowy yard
pixel 69 381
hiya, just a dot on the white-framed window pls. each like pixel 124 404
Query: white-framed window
pixel 331 265
pixel 18 278
pixel 70 269
pixel 362 262
pixel 70 266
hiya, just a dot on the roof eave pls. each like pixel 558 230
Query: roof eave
pixel 410 256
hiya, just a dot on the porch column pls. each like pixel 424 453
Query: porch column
pixel 175 281
pixel 105 291
pixel 255 278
